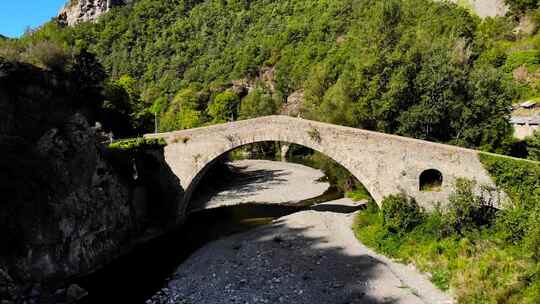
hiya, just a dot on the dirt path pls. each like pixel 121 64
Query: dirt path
pixel 309 257
pixel 265 182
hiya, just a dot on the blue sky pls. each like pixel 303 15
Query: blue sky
pixel 17 15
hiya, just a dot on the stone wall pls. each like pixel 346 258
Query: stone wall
pixel 523 131
pixel 385 164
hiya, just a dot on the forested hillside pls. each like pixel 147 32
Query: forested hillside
pixel 418 68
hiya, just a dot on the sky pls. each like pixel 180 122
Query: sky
pixel 17 15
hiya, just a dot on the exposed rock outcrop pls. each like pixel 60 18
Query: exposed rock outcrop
pixel 69 205
pixel 293 106
pixel 76 11
pixel 485 8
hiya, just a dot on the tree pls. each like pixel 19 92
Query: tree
pixel 224 107
pixel 257 103
pixel 183 112
pixel 533 146
pixel 520 6
pixel 88 77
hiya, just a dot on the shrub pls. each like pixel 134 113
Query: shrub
pixel 46 54
pixel 520 6
pixel 360 193
pixel 480 267
pixel 520 180
pixel 527 58
pixel 10 51
pixel 532 235
pixel 401 213
pixel 315 135
pixel 137 144
pixel 467 211
pixel 533 146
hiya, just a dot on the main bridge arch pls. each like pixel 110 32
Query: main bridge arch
pixel 384 164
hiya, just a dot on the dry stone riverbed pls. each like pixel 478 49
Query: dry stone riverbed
pixel 248 243
pixel 309 256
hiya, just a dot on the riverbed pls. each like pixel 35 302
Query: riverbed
pixel 264 182
pixel 309 256
pixel 279 246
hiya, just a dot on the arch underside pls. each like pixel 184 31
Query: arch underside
pixel 206 150
pixel 201 173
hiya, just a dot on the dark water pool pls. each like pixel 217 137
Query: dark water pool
pixel 137 276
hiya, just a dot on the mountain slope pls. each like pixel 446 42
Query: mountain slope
pixel 365 64
pixel 389 66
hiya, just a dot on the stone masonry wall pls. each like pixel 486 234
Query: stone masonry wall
pixel 385 164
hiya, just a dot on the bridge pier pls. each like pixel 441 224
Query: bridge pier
pixel 284 149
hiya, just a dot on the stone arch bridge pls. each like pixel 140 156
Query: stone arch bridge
pixel 385 164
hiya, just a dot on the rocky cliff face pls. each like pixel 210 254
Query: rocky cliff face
pixel 67 206
pixel 485 8
pixel 76 11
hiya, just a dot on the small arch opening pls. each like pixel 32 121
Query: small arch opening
pixel 431 180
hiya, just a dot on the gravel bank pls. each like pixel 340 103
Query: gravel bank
pixel 265 182
pixel 307 257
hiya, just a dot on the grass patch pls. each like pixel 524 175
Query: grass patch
pixel 137 144
pixel 479 261
pixel 359 193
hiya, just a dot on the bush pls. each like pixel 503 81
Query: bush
pixel 479 268
pixel 528 58
pixel 137 144
pixel 520 6
pixel 401 213
pixel 467 211
pixel 532 236
pixel 520 180
pixel 10 50
pixel 533 146
pixel 360 193
pixel 47 54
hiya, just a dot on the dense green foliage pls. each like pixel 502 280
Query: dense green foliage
pixel 400 213
pixel 520 179
pixel 138 144
pixel 259 103
pixel 359 193
pixel 533 146
pixel 477 264
pixel 369 64
pixel 466 211
pixel 520 6
pixel 484 255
